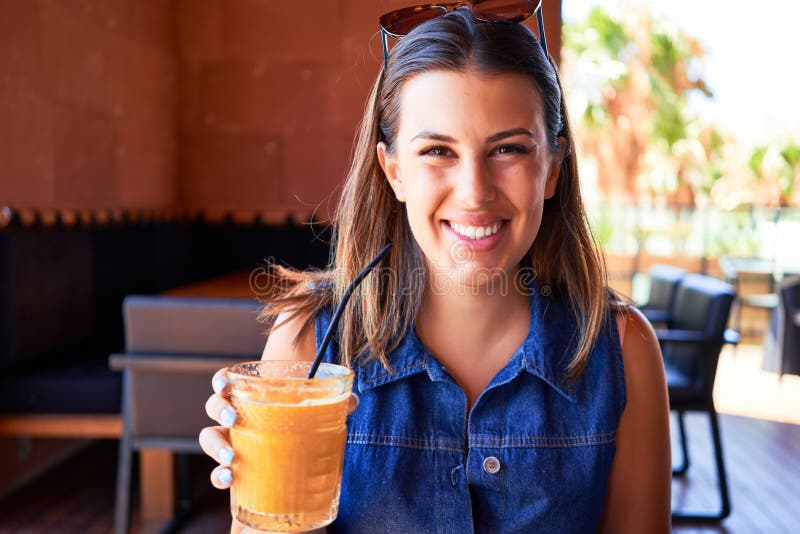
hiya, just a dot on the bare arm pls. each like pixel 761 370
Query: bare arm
pixel 639 486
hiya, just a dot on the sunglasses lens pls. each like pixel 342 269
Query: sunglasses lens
pixel 402 21
pixel 505 10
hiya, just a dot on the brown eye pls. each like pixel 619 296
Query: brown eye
pixel 512 149
pixel 436 151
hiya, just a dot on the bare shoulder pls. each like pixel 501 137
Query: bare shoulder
pixel 638 496
pixel 641 354
pixel 645 381
pixel 284 344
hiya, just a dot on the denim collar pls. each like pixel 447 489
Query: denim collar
pixel 545 353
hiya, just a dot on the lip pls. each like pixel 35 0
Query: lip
pixel 477 245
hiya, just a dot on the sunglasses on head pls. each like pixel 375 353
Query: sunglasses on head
pixel 401 21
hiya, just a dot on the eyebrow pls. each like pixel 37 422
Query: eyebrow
pixel 510 133
pixel 427 134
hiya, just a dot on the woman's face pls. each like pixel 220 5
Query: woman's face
pixel 473 168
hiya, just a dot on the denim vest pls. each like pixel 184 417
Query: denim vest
pixel 532 455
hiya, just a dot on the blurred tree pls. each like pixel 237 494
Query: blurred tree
pixel 629 77
pixel 776 168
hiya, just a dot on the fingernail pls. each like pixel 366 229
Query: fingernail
pixel 225 476
pixel 358 399
pixel 228 417
pixel 226 455
pixel 219 384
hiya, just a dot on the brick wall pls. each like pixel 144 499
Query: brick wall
pixel 87 103
pixel 271 95
pixel 208 104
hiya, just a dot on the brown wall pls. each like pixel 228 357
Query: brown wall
pixel 208 104
pixel 271 97
pixel 87 103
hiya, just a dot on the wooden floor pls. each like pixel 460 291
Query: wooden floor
pixel 760 434
pixel 763 464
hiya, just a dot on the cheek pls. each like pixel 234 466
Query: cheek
pixel 530 206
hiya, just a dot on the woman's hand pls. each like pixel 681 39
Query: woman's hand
pixel 215 440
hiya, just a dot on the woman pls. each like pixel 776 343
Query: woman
pixel 501 388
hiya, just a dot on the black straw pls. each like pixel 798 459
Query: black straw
pixel 340 308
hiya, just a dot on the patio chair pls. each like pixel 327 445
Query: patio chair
pixel 691 346
pixel 782 344
pixel 173 346
pixel 664 280
pixel 763 270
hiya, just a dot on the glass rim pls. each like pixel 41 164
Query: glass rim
pixel 339 371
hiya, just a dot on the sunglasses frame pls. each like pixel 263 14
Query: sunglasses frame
pixel 386 19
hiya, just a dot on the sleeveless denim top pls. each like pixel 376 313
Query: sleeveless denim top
pixel 532 455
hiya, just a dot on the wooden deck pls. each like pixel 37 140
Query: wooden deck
pixel 762 456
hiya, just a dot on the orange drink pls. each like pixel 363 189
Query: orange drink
pixel 288 440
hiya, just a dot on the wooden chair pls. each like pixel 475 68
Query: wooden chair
pixel 763 270
pixel 691 346
pixel 173 346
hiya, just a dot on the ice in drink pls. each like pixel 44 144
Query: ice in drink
pixel 289 442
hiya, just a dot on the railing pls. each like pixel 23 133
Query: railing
pixel 706 233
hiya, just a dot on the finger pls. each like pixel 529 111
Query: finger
pixel 220 410
pixel 215 442
pixel 352 403
pixel 219 382
pixel 221 477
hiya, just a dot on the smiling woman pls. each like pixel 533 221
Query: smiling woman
pixel 502 387
pixel 481 188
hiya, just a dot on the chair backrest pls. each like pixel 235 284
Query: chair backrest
pixel 664 281
pixel 702 306
pixel 173 346
pixel 788 330
pixel 190 325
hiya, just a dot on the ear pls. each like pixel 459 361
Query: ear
pixel 555 169
pixel 390 169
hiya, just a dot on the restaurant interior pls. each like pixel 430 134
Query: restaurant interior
pixel 157 156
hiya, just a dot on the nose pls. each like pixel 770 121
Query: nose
pixel 474 184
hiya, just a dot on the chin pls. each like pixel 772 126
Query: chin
pixel 471 278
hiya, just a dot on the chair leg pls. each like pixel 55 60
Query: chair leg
pixel 123 495
pixel 122 504
pixel 725 504
pixel 684 465
pixel 185 479
pixel 184 509
pixel 737 317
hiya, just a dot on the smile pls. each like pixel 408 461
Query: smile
pixel 476 232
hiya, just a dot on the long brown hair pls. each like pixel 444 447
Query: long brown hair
pixel 564 257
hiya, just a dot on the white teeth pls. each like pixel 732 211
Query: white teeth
pixel 475 232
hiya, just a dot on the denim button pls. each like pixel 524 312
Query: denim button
pixel 491 465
